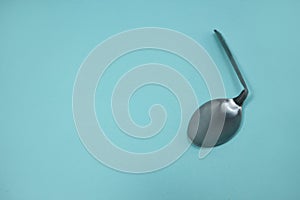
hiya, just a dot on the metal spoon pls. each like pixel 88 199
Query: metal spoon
pixel 217 121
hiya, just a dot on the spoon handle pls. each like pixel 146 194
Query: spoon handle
pixel 240 99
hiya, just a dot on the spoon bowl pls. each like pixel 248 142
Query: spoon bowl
pixel 222 114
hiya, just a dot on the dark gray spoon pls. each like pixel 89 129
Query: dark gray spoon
pixel 217 121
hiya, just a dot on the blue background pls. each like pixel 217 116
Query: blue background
pixel 42 45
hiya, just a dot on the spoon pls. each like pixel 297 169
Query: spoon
pixel 217 121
